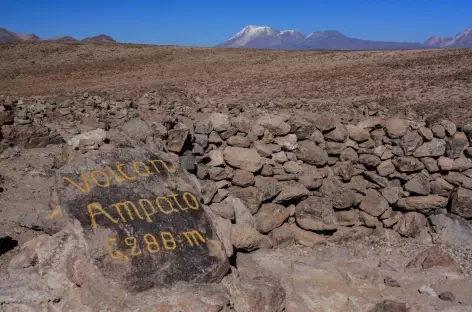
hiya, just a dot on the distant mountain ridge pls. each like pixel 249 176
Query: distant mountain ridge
pixel 265 37
pixel 7 36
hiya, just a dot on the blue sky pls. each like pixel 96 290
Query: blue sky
pixel 207 23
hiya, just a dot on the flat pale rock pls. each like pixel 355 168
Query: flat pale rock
pixel 141 218
pixel 243 158
pixel 418 203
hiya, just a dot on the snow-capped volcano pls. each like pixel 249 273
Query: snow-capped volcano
pixel 262 37
pixel 265 37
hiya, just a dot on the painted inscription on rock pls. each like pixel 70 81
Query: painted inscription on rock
pixel 142 219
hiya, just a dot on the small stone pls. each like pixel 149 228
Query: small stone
pixel 243 158
pixel 270 216
pixel 441 187
pixel 461 203
pixel 216 158
pixel 307 238
pixel 267 171
pixel 220 195
pixel 370 161
pixel 430 164
pixel 419 185
pixel 282 236
pixel 377 134
pixel 220 122
pixel 357 133
pixel 238 141
pixel 220 173
pixel 251 196
pixel 427 291
pixel 392 194
pixel 223 210
pixel 280 157
pixel 201 140
pixel 325 122
pixel 373 203
pixel 338 134
pixel 456 145
pixel 438 131
pixel 390 282
pixel 266 150
pixel 389 306
pixel 203 126
pixel 433 148
pixel 411 224
pixel 447 296
pixel 335 148
pixel 249 239
pixel 348 154
pixel 396 127
pixel 269 187
pixel 310 153
pixel 292 167
pixel 310 177
pixel 449 126
pixel 288 142
pixel 291 191
pixel 316 214
pixel 407 164
pixel 386 168
pixel 275 124
pixel 215 138
pixel 426 133
pixel 372 176
pixel 317 137
pixel 461 164
pixel 243 178
pixel 419 203
pixel 388 154
pixel 393 219
pixel 445 163
pixel 368 220
pixel 410 142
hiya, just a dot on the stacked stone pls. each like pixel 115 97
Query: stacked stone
pixel 281 178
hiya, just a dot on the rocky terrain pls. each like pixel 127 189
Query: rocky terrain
pixel 7 36
pixel 326 181
pixel 314 211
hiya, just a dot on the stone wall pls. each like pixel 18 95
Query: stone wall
pixel 273 179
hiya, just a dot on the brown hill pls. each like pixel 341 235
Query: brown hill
pixel 100 39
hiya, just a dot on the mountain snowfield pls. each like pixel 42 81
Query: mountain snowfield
pixel 266 37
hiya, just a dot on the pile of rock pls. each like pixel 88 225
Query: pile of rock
pixel 283 178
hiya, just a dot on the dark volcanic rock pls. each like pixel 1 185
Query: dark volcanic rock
pixel 141 218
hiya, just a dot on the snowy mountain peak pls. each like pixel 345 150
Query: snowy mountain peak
pixel 251 31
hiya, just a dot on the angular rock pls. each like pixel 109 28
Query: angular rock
pixel 441 187
pixel 438 131
pixel 280 157
pixel 456 145
pixel 310 153
pixel 215 138
pixel 426 133
pixel 367 220
pixel 176 139
pixel 243 216
pixel 302 128
pixel 373 203
pixel 270 216
pixel 433 148
pixel 418 185
pixel 348 154
pixel 393 219
pixel 344 170
pixel 459 179
pixel 203 126
pixel 223 210
pixel 410 142
pixel 370 161
pixel 411 223
pixel 340 195
pixel 143 212
pixel 288 142
pixel 430 164
pixel 338 134
pixel 291 191
pixel 275 124
pixel 137 129
pixel 243 158
pixel 243 178
pixel 325 122
pixel 269 187
pixel 89 138
pixel 392 194
pixel 433 257
pixel 372 176
pixel 220 173
pixel 292 167
pixel 307 238
pixel 420 203
pixel 248 239
pixel 335 148
pixel 266 150
pixel 461 164
pixel 220 122
pixel 451 229
pixel 449 126
pixel 250 196
pixel 461 203
pixel 316 213
pixel 282 236
pixel 407 164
